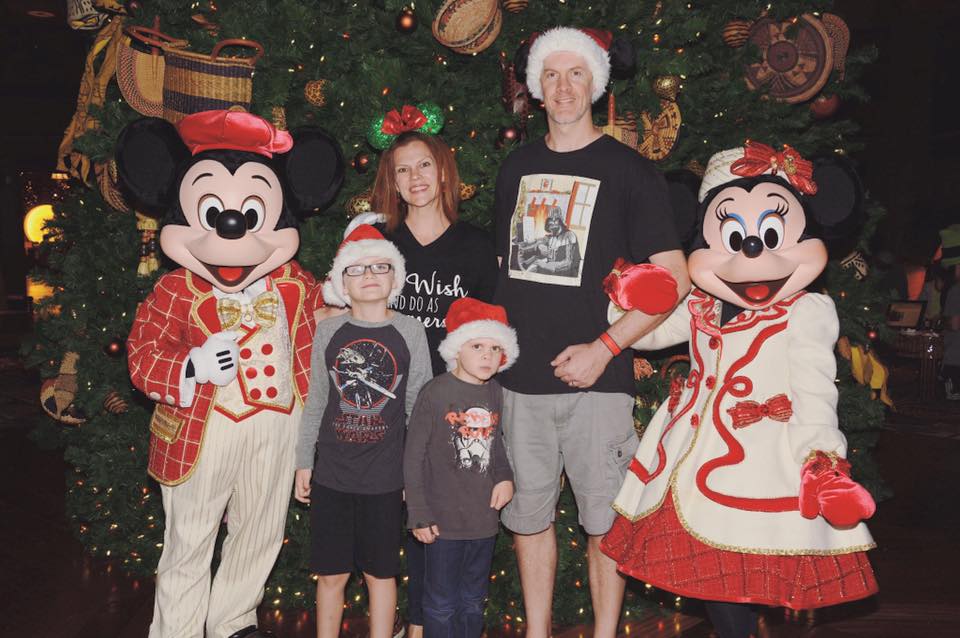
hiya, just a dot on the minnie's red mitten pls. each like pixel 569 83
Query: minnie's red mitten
pixel 645 287
pixel 826 488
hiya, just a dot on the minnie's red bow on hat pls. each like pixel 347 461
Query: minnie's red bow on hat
pixel 410 118
pixel 232 130
pixel 759 159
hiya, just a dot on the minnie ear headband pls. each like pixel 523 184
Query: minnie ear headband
pixel 425 117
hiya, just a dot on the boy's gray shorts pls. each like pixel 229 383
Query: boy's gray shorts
pixel 588 434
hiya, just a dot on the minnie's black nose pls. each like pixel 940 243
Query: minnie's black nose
pixel 231 224
pixel 752 246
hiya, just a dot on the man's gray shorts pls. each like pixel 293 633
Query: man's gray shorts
pixel 589 434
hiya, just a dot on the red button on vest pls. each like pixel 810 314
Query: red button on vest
pixel 251 373
pixel 269 371
pixel 266 349
pixel 695 420
pixel 272 392
pixel 714 343
pixel 245 353
pixel 710 381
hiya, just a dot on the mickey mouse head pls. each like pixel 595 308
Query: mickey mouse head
pixel 231 187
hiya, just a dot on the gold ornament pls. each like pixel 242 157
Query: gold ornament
pixel 515 6
pixel 361 203
pixel 278 115
pixel 467 191
pixel 667 87
pixel 114 403
pixel 736 33
pixel 149 228
pixel 314 92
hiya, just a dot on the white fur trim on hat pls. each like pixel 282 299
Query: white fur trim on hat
pixel 351 253
pixel 364 218
pixel 449 348
pixel 568 39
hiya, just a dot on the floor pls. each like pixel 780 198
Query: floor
pixel 49 588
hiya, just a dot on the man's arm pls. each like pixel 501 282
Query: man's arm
pixel 580 365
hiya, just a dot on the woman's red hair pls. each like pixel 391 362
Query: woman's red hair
pixel 386 197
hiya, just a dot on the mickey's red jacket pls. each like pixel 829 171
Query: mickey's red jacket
pixel 180 314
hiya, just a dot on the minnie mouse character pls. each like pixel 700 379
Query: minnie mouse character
pixel 739 491
pixel 222 344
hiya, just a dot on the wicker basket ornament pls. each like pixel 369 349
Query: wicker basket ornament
pixel 195 82
pixel 468 26
pixel 140 68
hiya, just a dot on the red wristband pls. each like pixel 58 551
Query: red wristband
pixel 610 343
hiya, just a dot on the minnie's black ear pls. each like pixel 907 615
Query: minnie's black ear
pixel 837 206
pixel 623 59
pixel 313 169
pixel 149 154
pixel 683 186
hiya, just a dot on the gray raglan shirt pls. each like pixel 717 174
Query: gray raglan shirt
pixel 364 381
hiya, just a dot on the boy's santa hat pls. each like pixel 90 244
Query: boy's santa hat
pixel 363 241
pixel 592 44
pixel 469 319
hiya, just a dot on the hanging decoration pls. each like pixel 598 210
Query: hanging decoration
pixel 660 132
pixel 140 68
pixel 114 403
pixel 515 6
pixel 623 133
pixel 508 135
pixel 867 369
pixel 858 263
pixel 148 227
pixel 115 347
pixel 407 21
pixel 361 162
pixel 83 15
pixel 736 33
pixel 315 92
pixel 107 181
pixel 513 93
pixel 58 394
pixel 467 191
pixel 824 106
pixel 797 58
pixel 360 203
pixel 468 26
pixel 839 34
pixel 278 117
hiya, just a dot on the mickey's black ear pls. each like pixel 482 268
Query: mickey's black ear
pixel 623 59
pixel 313 169
pixel 836 207
pixel 683 186
pixel 149 153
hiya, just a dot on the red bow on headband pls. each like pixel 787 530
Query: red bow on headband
pixel 759 158
pixel 410 118
pixel 777 407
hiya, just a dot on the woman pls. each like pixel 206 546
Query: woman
pixel 417 193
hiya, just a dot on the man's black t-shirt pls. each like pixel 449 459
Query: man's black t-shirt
pixel 459 263
pixel 562 219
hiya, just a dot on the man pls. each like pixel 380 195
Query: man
pixel 556 252
pixel 568 402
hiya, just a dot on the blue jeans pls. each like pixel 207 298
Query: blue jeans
pixel 456 576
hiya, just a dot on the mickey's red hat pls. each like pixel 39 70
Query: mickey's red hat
pixel 234 130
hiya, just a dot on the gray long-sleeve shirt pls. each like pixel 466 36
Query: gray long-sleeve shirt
pixel 453 457
pixel 364 380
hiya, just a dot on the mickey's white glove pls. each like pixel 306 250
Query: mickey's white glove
pixel 216 360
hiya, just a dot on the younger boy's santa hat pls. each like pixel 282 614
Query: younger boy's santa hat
pixel 593 45
pixel 363 241
pixel 469 319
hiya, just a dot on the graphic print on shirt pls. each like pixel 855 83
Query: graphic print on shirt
pixel 473 432
pixel 550 227
pixel 421 297
pixel 365 375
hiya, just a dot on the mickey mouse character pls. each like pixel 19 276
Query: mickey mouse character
pixel 739 491
pixel 222 344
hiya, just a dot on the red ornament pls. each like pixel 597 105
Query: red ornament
pixel 115 348
pixel 872 335
pixel 407 21
pixel 508 135
pixel 361 162
pixel 824 106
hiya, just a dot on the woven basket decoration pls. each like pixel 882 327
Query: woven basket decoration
pixel 468 26
pixel 140 66
pixel 797 58
pixel 195 82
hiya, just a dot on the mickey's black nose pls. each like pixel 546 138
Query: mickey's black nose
pixel 752 246
pixel 231 224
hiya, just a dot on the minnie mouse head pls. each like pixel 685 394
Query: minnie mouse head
pixel 231 186
pixel 763 216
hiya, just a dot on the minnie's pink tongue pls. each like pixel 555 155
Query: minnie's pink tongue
pixel 757 292
pixel 230 273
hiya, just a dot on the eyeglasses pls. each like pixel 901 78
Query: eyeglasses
pixel 357 270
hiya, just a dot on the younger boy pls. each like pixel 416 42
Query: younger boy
pixel 368 366
pixel 455 468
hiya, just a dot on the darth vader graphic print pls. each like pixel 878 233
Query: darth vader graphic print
pixel 365 376
pixel 472 435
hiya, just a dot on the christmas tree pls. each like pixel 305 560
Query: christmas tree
pixel 703 82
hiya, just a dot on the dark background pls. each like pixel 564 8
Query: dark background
pixel 911 126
